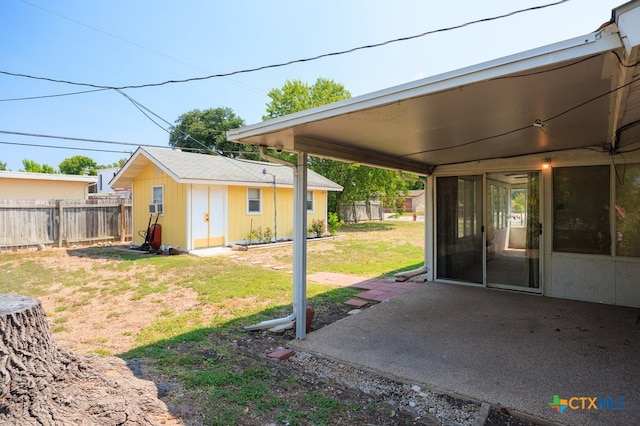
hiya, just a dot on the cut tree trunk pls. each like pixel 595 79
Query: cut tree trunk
pixel 43 384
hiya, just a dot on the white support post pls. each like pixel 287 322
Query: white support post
pixel 300 246
pixel 429 226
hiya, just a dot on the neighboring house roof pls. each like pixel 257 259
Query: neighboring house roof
pixel 415 193
pixel 47 176
pixel 187 167
pixel 578 93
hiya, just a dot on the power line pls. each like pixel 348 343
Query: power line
pixel 71 138
pixel 64 147
pixel 295 61
pixel 133 43
pixel 30 98
pixel 143 108
pixel 8 132
pixel 546 120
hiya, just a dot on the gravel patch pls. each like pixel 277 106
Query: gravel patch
pixel 425 406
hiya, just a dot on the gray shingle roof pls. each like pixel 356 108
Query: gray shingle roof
pixel 210 169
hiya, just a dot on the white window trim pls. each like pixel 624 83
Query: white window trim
pixel 152 200
pixel 259 212
pixel 313 201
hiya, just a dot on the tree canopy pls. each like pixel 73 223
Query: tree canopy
pixel 207 130
pixel 3 165
pixel 78 165
pixel 33 167
pixel 296 95
pixel 360 183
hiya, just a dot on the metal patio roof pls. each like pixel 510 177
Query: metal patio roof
pixel 578 93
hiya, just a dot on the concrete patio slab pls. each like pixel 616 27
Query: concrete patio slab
pixel 509 349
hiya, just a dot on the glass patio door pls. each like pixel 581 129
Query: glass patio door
pixel 459 227
pixel 513 230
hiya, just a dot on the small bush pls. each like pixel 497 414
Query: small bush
pixel 317 228
pixel 334 223
pixel 260 235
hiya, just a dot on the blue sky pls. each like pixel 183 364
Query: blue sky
pixel 125 42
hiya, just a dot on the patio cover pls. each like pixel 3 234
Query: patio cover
pixel 582 92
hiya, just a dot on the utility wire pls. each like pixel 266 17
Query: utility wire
pixel 133 43
pixel 295 61
pixel 30 98
pixel 63 147
pixel 71 138
pixel 143 108
pixel 508 132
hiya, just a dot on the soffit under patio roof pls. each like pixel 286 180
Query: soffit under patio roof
pixel 571 94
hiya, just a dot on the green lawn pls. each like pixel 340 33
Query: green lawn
pixel 175 309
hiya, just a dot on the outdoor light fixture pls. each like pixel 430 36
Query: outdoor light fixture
pixel 275 218
pixel 546 163
pixel 539 123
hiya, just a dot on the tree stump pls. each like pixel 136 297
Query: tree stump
pixel 43 384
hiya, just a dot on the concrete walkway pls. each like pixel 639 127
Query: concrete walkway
pixel 508 349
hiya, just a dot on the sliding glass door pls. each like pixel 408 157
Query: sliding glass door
pixel 513 230
pixel 459 228
pixel 501 250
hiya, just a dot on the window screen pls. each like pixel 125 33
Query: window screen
pixel 627 210
pixel 581 197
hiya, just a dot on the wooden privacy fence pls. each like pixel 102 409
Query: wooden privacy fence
pixel 361 211
pixel 25 223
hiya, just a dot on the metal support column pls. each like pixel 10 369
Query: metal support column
pixel 300 246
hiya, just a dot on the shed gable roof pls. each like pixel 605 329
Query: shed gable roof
pixel 187 167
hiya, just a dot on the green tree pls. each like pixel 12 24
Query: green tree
pixel 3 165
pixel 33 167
pixel 78 165
pixel 296 95
pixel 209 128
pixel 360 183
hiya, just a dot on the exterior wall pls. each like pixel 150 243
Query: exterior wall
pixel 173 221
pixel 319 208
pixel 593 278
pixel 34 189
pixel 241 223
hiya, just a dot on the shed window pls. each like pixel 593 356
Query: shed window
pixel 157 197
pixel 254 200
pixel 310 201
pixel 581 213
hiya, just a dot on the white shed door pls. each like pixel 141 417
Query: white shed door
pixel 207 216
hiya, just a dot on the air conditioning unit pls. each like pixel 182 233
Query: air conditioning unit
pixel 155 208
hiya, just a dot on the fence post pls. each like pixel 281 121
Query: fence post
pixel 122 220
pixel 60 222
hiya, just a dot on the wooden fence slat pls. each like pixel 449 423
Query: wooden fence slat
pixel 26 223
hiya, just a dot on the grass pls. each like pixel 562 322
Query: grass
pixel 197 346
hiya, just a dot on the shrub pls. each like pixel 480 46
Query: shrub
pixel 266 235
pixel 260 235
pixel 334 223
pixel 317 228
